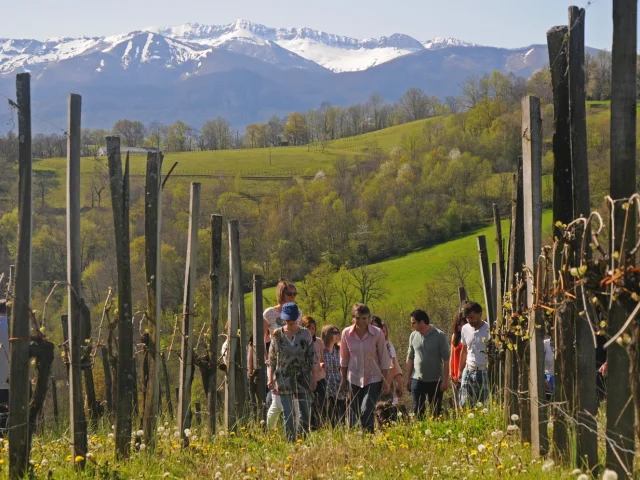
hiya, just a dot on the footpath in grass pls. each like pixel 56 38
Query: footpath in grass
pixel 474 444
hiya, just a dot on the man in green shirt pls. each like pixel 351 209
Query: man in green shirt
pixel 427 364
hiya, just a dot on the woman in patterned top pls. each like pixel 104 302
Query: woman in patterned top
pixel 292 358
pixel 335 404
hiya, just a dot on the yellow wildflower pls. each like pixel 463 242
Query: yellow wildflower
pixel 79 458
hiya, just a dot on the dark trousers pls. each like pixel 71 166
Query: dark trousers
pixel 318 409
pixel 336 409
pixel 421 392
pixel 363 404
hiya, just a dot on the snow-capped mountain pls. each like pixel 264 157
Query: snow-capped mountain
pixel 244 72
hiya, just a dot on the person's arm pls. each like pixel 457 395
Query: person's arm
pixel 409 366
pixel 445 353
pixel 463 361
pixel 267 337
pixel 272 361
pixel 445 378
pixel 345 356
pixel 312 358
pixel 451 372
pixel 384 360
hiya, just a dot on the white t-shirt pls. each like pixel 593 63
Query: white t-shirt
pixel 476 342
pixel 272 317
pixel 548 357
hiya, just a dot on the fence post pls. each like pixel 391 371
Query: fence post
pixel 564 368
pixel 258 346
pixel 167 387
pixel 485 276
pixel 188 315
pixel 585 350
pixel 498 288
pixel 54 400
pixel 153 245
pixel 623 381
pixel 215 264
pixel 119 184
pixel 87 366
pixel 19 347
pixel 532 189
pixel 107 378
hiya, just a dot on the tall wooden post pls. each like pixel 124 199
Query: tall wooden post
pixel 188 315
pixel 514 267
pixel 235 394
pixel 500 272
pixel 86 365
pixel 54 401
pixel 564 395
pixel 107 378
pixel 621 374
pixel 258 346
pixel 75 323
pixel 167 387
pixel 215 267
pixel 153 248
pixel 462 295
pixel 19 345
pixel 532 189
pixel 119 184
pixel 485 276
pixel 585 350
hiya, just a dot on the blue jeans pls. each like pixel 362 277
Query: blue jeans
pixel 288 401
pixel 363 404
pixel 423 391
pixel 474 387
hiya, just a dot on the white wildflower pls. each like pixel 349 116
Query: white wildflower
pixel 187 432
pixel 479 404
pixel 461 435
pixel 470 416
pixel 609 475
pixel 448 432
pixel 44 462
pixel 515 418
pixel 481 448
pixel 576 471
pixel 160 429
pixel 474 440
pixel 194 438
pixel 427 432
pixel 548 465
pixel 110 435
pixel 485 410
pixel 139 433
pixel 142 446
pixel 463 440
pixel 583 476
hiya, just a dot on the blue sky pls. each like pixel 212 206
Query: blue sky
pixel 505 23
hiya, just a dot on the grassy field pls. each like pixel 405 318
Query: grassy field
pixel 473 444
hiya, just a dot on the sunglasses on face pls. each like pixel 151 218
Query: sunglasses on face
pixel 291 294
pixel 336 332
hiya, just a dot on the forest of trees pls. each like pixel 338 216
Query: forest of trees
pixel 437 183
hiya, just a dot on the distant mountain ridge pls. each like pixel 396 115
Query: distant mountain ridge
pixel 243 71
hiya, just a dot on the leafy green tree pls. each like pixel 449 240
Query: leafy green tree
pixel 44 181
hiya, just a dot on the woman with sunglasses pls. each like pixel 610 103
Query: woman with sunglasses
pixel 335 405
pixel 292 358
pixel 285 292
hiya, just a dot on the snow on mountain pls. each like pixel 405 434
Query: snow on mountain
pixel 444 42
pixel 334 52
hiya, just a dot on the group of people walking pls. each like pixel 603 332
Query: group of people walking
pixel 340 377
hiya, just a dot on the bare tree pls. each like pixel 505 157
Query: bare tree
pixel 346 294
pixel 413 105
pixel 99 179
pixel 44 181
pixel 471 92
pixel 453 103
pixel 368 283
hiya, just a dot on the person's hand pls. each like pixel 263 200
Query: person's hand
pixel 409 384
pixel 386 388
pixel 270 385
pixel 444 385
pixel 604 369
pixel 399 388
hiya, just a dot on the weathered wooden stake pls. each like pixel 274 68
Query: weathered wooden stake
pixel 500 272
pixel 107 378
pixel 74 279
pixel 215 266
pixel 485 275
pixel 153 244
pixel 564 392
pixel 622 375
pixel 532 189
pixel 258 346
pixel 87 366
pixel 188 316
pixel 125 372
pixel 19 344
pixel 167 387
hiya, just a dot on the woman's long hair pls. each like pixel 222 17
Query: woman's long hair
pixel 457 336
pixel 327 334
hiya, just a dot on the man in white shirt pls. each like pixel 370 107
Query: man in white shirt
pixel 473 357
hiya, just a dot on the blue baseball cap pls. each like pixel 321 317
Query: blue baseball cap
pixel 290 311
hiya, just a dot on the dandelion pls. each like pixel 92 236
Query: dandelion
pixel 479 404
pixel 485 410
pixel 515 417
pixel 448 432
pixel 460 435
pixel 44 462
pixel 78 458
pixel 166 475
pixel 360 473
pixel 427 432
pixel 500 467
pixel 474 440
pixel 142 446
pixel 463 440
pixel 217 476
pixel 160 429
pixel 482 448
pixel 512 428
pixel 576 471
pixel 110 436
pixel 470 416
pixel 548 465
pixel 609 475
pixel 139 433
pixel 187 432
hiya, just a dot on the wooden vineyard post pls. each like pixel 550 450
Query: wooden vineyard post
pixel 512 399
pixel 258 346
pixel 564 335
pixel 623 382
pixel 54 401
pixel 75 322
pixel 107 378
pixel 485 276
pixel 87 366
pixel 167 387
pixel 19 345
pixel 235 393
pixel 153 243
pixel 188 315
pixel 119 184
pixel 215 266
pixel 585 349
pixel 532 189
pixel 462 296
pixel 498 289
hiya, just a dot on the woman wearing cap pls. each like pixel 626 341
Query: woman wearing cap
pixel 292 358
pixel 335 405
pixel 285 292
